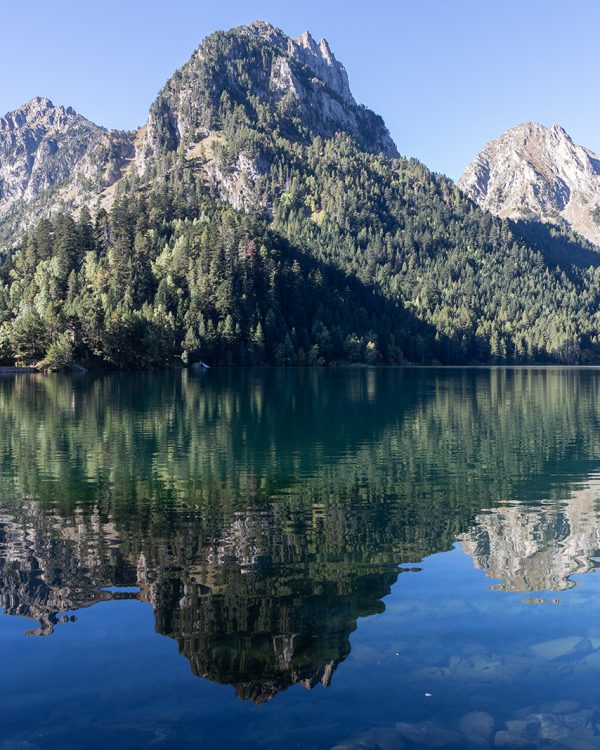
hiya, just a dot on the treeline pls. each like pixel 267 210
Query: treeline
pixel 152 281
pixel 488 293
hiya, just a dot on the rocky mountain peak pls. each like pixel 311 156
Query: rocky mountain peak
pixel 315 55
pixel 236 80
pixel 538 172
pixel 320 59
pixel 260 31
pixel 46 147
pixel 559 132
pixel 35 106
pixel 257 67
pixel 318 52
pixel 306 40
pixel 39 145
pixel 39 110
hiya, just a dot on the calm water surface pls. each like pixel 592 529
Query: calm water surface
pixel 345 559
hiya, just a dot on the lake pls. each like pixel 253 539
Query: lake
pixel 344 558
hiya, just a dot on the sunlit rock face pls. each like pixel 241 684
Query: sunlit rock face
pixel 538 549
pixel 535 172
pixel 300 79
pixel 51 158
pixel 259 70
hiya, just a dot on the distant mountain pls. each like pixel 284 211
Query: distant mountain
pixel 51 158
pixel 535 172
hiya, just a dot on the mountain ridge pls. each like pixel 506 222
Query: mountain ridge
pixel 537 172
pixel 46 152
pixel 54 159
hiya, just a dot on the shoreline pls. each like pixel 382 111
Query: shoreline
pixel 28 370
pixel 14 370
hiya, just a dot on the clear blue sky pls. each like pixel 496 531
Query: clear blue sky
pixel 446 75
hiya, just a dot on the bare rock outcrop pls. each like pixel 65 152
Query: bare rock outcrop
pixel 536 172
pixel 52 158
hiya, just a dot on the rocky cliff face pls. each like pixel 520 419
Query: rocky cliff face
pixel 534 172
pixel 262 71
pixel 52 158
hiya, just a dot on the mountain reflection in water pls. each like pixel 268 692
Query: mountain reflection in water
pixel 537 548
pixel 262 514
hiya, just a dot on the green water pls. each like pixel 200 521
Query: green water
pixel 353 558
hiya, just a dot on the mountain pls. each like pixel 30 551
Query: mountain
pixel 535 172
pixel 258 68
pixel 262 216
pixel 51 158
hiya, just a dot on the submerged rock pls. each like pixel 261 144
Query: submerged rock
pixel 477 727
pixel 557 724
pixel 379 738
pixel 560 707
pixel 427 734
pixel 560 647
pixel 387 739
pixel 507 739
